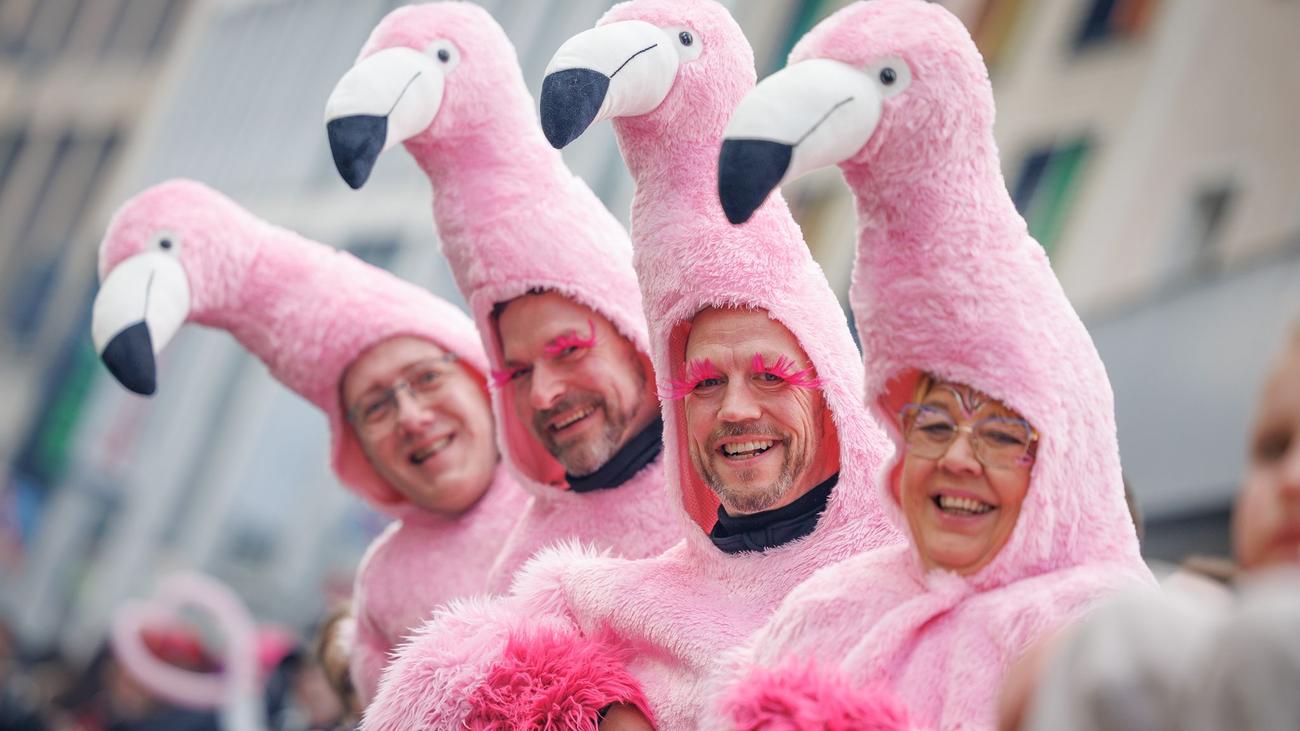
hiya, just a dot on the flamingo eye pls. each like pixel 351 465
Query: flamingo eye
pixel 446 54
pixel 892 75
pixel 689 43
pixel 167 241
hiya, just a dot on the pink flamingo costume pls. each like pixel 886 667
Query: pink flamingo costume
pixel 947 281
pixel 580 631
pixel 181 252
pixel 511 218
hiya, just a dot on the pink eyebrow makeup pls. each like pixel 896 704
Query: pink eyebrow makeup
pixel 501 378
pixel 784 368
pixel 700 369
pixel 572 340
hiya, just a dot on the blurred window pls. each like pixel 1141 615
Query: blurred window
pixel 141 28
pixel 1106 20
pixel 991 23
pixel 75 169
pixel 1194 251
pixel 11 150
pixel 16 20
pixel 1046 186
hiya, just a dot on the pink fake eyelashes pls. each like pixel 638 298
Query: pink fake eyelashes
pixel 571 340
pixel 700 369
pixel 703 369
pixel 501 378
pixel 558 347
pixel 783 368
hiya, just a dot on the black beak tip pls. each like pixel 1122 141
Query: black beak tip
pixel 748 171
pixel 355 143
pixel 129 357
pixel 570 100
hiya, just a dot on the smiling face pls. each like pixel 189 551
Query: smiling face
pixel 758 429
pixel 430 439
pixel 959 510
pixel 1266 522
pixel 582 389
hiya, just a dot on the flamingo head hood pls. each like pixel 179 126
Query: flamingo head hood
pixel 511 218
pixel 181 252
pixel 671 109
pixel 947 280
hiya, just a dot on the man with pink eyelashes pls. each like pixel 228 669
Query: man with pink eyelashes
pixel 580 387
pixel 757 428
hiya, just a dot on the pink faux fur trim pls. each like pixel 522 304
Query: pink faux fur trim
pixel 799 697
pixel 552 680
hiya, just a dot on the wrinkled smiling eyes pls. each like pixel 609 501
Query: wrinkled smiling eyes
pixel 702 377
pixel 563 349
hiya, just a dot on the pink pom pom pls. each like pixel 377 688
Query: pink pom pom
pixel 801 698
pixel 549 681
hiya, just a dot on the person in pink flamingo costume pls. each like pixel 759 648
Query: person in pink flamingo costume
pixel 582 633
pixel 947 284
pixel 181 252
pixel 522 234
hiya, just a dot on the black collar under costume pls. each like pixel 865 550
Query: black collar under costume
pixel 639 451
pixel 772 528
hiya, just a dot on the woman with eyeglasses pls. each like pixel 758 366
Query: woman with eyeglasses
pixel 1007 479
pixel 965 472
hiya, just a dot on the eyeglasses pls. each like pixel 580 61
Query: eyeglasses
pixel 997 441
pixel 376 413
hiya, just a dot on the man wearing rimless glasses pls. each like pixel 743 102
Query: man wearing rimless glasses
pixel 423 421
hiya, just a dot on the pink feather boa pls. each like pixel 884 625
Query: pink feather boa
pixel 800 697
pixel 548 680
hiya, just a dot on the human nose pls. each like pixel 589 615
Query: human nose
pixel 960 456
pixel 413 416
pixel 547 386
pixel 738 404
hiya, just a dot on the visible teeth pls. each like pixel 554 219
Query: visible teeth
pixel 963 504
pixel 732 450
pixel 571 419
pixel 433 449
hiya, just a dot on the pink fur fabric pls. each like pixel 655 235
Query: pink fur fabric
pixel 947 281
pixel 420 563
pixel 552 680
pixel 799 697
pixel 307 311
pixel 682 609
pixel 512 218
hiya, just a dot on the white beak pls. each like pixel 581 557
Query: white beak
pixel 139 308
pixel 382 101
pixel 622 69
pixel 807 116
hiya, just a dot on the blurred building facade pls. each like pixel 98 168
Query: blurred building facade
pixel 1146 141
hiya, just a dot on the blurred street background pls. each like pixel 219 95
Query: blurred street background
pixel 1151 144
